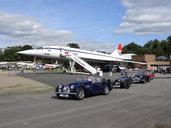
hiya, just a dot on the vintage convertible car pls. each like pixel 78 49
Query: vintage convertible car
pixel 91 85
pixel 150 75
pixel 140 77
pixel 122 81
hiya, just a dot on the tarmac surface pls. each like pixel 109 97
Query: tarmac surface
pixel 54 79
pixel 142 106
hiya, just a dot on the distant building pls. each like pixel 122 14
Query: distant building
pixel 151 61
pixel 2 50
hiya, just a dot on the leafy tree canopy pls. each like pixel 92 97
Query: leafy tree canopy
pixel 10 54
pixel 159 48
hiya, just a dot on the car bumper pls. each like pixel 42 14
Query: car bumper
pixel 137 80
pixel 65 94
pixel 118 84
pixel 69 93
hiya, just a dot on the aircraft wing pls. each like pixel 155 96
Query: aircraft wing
pixel 135 62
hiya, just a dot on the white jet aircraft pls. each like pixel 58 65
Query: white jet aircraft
pixel 52 66
pixel 3 63
pixel 26 64
pixel 78 55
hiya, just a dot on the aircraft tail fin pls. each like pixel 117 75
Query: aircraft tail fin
pixel 118 50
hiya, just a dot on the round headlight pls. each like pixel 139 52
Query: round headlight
pixel 119 80
pixel 72 86
pixel 60 86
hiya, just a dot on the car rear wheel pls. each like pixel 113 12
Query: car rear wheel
pixel 144 81
pixel 80 94
pixel 57 96
pixel 127 85
pixel 106 90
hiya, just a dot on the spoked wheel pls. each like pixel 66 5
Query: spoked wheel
pixel 144 81
pixel 127 86
pixel 106 90
pixel 80 94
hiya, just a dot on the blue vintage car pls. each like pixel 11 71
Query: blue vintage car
pixel 140 77
pixel 122 81
pixel 91 85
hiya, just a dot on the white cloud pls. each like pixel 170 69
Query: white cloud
pixel 96 46
pixel 20 30
pixel 27 30
pixel 146 17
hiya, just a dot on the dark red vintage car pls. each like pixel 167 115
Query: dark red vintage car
pixel 150 75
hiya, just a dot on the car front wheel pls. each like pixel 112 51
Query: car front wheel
pixel 57 96
pixel 80 94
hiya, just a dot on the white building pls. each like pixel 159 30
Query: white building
pixel 2 50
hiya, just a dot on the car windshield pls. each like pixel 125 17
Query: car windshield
pixel 89 78
pixel 79 79
pixel 82 79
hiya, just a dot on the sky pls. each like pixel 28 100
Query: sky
pixel 93 24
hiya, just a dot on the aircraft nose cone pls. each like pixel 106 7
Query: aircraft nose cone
pixel 26 52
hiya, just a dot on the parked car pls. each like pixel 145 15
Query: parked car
pixel 140 77
pixel 122 81
pixel 91 85
pixel 111 68
pixel 150 75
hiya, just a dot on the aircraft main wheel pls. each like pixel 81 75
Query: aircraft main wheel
pixel 80 94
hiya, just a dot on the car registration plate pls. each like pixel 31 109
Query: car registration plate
pixel 136 79
pixel 64 95
pixel 117 84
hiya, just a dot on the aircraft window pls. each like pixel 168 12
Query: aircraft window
pixel 47 49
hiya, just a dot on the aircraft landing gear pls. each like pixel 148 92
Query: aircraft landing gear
pixel 72 66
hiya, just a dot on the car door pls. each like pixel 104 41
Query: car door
pixel 96 87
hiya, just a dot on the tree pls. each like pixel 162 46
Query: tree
pixel 169 38
pixel 10 53
pixel 73 45
pixel 156 48
pixel 25 57
pixel 144 51
pixel 132 48
pixel 148 44
pixel 1 57
pixel 26 47
pixel 169 44
pixel 165 47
